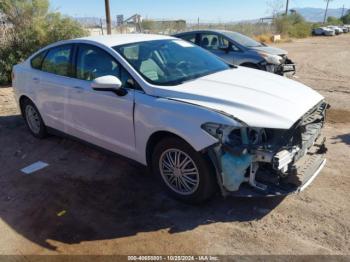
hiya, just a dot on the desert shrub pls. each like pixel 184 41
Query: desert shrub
pixel 293 25
pixel 264 38
pixel 30 27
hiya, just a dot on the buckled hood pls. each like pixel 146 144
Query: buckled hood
pixel 270 50
pixel 255 97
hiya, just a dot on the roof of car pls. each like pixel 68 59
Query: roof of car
pixel 206 30
pixel 122 39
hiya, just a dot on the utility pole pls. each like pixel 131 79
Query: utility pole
pixel 325 13
pixel 101 24
pixel 343 11
pixel 287 7
pixel 108 17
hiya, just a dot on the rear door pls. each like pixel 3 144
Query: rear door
pixel 54 82
pixel 101 117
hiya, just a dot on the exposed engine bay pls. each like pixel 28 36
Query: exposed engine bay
pixel 281 65
pixel 255 161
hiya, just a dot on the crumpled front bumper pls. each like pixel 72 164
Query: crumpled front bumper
pixel 286 68
pixel 305 171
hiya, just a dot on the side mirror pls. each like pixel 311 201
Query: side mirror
pixel 108 83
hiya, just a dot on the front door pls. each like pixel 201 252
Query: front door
pixel 101 117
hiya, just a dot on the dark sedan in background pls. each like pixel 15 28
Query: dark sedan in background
pixel 239 49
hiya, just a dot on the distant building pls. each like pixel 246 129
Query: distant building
pixel 120 20
pixel 129 25
pixel 164 26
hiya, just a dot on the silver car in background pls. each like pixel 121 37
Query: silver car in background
pixel 239 49
pixel 323 31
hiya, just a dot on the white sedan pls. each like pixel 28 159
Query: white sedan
pixel 199 124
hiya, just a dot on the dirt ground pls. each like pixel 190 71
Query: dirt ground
pixel 113 206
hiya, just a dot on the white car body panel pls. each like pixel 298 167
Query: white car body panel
pixel 125 124
pixel 154 114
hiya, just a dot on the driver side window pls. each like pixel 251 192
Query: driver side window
pixel 93 63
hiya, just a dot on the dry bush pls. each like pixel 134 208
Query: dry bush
pixel 264 38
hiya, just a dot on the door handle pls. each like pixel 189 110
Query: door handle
pixel 35 79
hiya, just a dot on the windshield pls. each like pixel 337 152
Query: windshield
pixel 170 62
pixel 243 40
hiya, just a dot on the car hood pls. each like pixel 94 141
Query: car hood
pixel 270 50
pixel 255 97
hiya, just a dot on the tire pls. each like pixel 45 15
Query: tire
pixel 33 119
pixel 196 187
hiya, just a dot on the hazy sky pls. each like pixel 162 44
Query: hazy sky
pixel 207 10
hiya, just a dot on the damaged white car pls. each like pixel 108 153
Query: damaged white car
pixel 199 124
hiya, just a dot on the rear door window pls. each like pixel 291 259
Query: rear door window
pixel 37 61
pixel 58 61
pixel 190 38
pixel 214 42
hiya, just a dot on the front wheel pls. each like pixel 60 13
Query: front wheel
pixel 185 173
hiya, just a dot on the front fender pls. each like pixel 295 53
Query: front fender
pixel 154 114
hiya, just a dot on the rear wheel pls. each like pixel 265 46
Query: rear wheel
pixel 33 119
pixel 185 173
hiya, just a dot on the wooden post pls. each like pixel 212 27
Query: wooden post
pixel 287 7
pixel 108 17
pixel 325 13
pixel 101 25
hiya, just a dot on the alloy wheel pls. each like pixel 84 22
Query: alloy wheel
pixel 179 171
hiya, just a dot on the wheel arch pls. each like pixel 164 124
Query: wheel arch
pixel 21 101
pixel 154 139
pixel 158 136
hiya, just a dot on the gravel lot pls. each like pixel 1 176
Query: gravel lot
pixel 112 206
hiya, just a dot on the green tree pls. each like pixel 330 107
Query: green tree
pixel 333 20
pixel 31 26
pixel 346 18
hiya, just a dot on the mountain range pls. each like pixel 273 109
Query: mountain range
pixel 317 14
